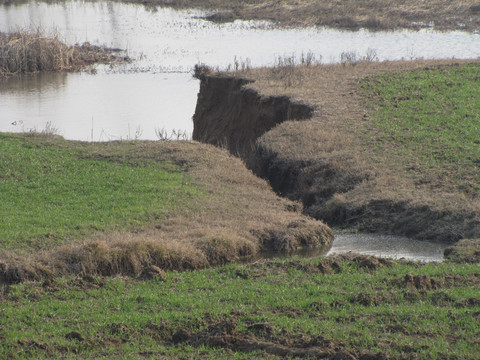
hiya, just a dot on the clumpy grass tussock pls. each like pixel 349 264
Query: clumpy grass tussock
pixel 30 52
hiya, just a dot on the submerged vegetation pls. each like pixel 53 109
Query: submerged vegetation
pixel 346 14
pixel 344 307
pixel 30 52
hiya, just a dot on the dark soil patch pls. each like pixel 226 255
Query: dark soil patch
pixel 418 282
pixel 225 334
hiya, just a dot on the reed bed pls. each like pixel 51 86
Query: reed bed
pixel 23 52
pixel 30 52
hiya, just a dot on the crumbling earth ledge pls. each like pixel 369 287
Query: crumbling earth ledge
pixel 303 130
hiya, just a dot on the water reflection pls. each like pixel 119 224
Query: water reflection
pixel 165 43
pixel 99 107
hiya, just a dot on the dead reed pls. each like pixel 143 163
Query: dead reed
pixel 30 52
pixel 24 52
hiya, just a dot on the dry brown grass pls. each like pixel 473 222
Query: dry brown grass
pixel 332 164
pixel 30 52
pixel 345 14
pixel 237 218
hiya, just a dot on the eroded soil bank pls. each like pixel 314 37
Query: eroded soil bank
pixel 323 151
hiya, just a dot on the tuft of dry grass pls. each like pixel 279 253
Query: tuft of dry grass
pixel 22 52
pixel 30 52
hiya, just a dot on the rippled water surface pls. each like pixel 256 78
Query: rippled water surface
pixel 157 91
pixel 388 246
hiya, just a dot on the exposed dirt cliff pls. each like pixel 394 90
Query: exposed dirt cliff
pixel 233 116
pixel 320 161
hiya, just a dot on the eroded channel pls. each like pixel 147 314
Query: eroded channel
pixel 156 94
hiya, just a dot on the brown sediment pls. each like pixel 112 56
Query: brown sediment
pixel 325 160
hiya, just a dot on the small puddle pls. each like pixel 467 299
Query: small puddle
pixel 157 90
pixel 388 246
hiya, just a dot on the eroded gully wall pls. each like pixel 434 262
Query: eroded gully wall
pixel 232 116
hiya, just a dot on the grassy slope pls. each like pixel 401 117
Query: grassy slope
pixel 53 192
pixel 431 120
pixel 360 306
pixel 122 207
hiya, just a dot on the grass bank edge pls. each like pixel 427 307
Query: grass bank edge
pixel 135 207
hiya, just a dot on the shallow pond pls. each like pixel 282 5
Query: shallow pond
pixel 157 92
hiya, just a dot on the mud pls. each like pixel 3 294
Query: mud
pixel 266 338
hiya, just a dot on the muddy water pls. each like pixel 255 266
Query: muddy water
pixel 157 91
pixel 388 246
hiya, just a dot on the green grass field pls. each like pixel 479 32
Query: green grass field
pixel 351 308
pixel 431 119
pixel 52 192
pixel 362 306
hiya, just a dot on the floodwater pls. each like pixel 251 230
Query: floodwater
pixel 388 246
pixel 156 93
